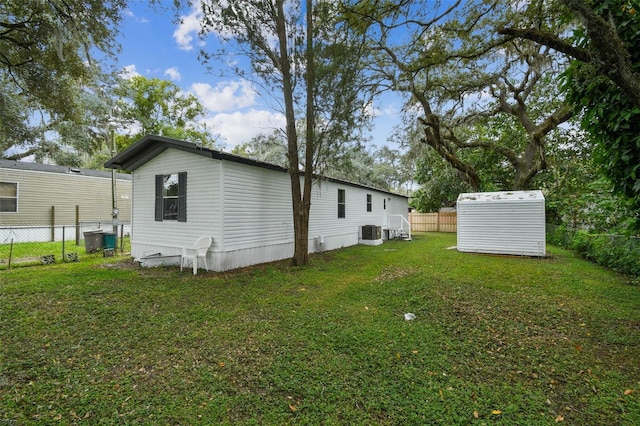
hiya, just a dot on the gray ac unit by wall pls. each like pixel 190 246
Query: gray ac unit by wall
pixel 371 232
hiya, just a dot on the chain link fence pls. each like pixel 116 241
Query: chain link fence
pixel 618 252
pixel 42 245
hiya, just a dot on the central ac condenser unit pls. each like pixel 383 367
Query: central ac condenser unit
pixel 371 232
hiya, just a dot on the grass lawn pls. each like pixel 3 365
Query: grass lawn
pixel 495 340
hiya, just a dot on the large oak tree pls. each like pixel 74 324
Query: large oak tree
pixel 459 76
pixel 603 82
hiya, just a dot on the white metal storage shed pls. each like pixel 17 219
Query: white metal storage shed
pixel 502 223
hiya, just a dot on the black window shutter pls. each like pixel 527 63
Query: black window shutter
pixel 159 185
pixel 182 197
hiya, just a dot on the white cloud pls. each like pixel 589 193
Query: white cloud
pixel 129 71
pixel 173 73
pixel 382 110
pixel 483 95
pixel 188 28
pixel 225 96
pixel 140 20
pixel 239 127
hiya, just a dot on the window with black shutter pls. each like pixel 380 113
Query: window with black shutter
pixel 171 197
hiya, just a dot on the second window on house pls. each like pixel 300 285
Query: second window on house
pixel 341 203
pixel 369 202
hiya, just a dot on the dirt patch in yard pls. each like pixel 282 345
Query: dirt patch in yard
pixel 395 273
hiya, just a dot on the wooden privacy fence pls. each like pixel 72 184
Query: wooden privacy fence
pixel 434 222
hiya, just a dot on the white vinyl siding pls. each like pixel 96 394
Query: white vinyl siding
pixel 257 206
pixel 323 219
pixel 345 231
pixel 202 205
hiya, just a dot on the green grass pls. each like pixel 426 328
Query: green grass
pixel 496 340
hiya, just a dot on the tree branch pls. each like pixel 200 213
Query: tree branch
pixel 610 50
pixel 550 40
pixel 607 52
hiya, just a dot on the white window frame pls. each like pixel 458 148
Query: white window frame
pixel 16 198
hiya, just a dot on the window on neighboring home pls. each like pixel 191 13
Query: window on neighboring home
pixel 8 197
pixel 341 203
pixel 384 202
pixel 171 197
pixel 368 202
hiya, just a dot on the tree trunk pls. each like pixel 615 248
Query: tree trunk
pixel 300 217
pixel 301 229
pixel 301 251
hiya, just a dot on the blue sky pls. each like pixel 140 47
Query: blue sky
pixel 155 45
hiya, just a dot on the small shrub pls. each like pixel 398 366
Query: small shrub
pixel 618 252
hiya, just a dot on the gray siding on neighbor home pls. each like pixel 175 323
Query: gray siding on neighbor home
pixel 41 187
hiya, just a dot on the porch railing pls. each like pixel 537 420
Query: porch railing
pixel 398 226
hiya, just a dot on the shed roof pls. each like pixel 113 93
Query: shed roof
pixel 151 146
pixel 502 196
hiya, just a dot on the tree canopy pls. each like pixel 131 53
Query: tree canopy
pixel 46 59
pixel 154 106
pixel 461 77
pixel 603 83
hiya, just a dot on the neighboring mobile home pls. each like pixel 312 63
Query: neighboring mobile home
pixel 33 194
pixel 511 222
pixel 183 191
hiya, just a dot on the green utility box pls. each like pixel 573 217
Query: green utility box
pixel 109 240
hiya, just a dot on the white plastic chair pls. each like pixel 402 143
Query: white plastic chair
pixel 195 252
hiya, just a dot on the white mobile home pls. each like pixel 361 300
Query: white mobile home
pixel 502 223
pixel 183 191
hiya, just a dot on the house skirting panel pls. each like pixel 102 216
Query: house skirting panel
pixel 224 261
pixel 239 258
pixel 151 255
pixel 370 242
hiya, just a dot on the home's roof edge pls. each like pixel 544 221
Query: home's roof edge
pixel 152 145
